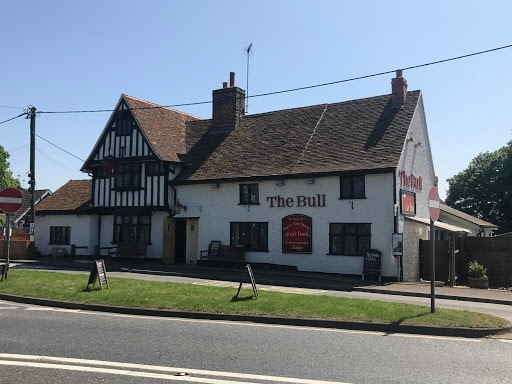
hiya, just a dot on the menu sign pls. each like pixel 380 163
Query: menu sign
pixel 297 234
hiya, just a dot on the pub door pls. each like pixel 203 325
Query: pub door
pixel 180 232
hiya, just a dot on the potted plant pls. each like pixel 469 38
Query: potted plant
pixel 477 275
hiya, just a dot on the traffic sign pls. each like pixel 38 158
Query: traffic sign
pixel 433 204
pixel 11 200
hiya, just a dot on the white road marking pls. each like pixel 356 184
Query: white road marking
pixel 143 370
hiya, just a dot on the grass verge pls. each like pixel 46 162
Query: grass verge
pixel 201 298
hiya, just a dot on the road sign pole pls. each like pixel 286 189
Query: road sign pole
pixel 7 245
pixel 432 268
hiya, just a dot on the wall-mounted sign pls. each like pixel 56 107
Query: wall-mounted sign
pixel 410 181
pixel 297 234
pixel 407 203
pixel 398 244
pixel 298 201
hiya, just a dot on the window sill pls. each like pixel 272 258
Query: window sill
pixel 340 254
pixel 352 198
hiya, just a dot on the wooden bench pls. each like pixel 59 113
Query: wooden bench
pixel 128 250
pixel 225 253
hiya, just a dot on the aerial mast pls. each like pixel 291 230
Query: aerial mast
pixel 248 50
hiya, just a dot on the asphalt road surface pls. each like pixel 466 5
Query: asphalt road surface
pixel 48 345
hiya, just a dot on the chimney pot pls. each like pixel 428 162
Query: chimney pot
pixel 231 79
pixel 225 84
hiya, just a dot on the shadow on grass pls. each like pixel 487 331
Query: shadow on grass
pixel 236 299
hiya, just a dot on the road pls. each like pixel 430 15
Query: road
pixel 48 345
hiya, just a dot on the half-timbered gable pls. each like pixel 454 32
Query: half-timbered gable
pixel 137 155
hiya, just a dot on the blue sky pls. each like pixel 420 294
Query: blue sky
pixel 82 55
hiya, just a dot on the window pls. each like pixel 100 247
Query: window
pixel 124 125
pixel 154 169
pixel 249 194
pixel 132 229
pixel 254 236
pixel 349 239
pixel 352 187
pixel 128 176
pixel 60 235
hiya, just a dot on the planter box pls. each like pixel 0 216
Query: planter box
pixel 479 282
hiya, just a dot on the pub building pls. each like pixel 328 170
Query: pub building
pixel 313 188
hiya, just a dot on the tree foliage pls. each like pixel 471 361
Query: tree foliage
pixel 6 177
pixel 484 189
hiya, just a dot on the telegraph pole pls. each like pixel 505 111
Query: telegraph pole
pixel 32 174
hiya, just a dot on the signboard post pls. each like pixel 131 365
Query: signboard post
pixel 253 282
pixel 98 272
pixel 11 200
pixel 433 209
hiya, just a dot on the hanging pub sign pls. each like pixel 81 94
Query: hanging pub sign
pixel 297 234
pixel 407 202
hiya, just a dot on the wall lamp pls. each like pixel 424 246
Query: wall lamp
pixel 279 183
pixel 310 181
pixel 215 185
pixel 178 207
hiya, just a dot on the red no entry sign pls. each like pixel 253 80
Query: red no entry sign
pixel 11 200
pixel 433 204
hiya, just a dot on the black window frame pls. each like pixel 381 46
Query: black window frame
pixel 60 235
pixel 252 235
pixel 353 187
pixel 249 194
pixel 154 168
pixel 124 124
pixel 128 176
pixel 132 229
pixel 349 239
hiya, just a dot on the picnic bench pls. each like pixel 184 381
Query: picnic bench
pixel 217 252
pixel 128 250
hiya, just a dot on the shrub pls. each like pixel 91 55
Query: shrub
pixel 476 269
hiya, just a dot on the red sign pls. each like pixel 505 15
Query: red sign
pixel 410 181
pixel 11 200
pixel 433 204
pixel 407 203
pixel 297 234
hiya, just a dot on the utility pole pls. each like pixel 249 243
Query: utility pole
pixel 32 174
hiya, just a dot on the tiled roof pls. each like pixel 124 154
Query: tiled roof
pixel 75 195
pixel 163 127
pixel 362 134
pixel 454 212
pixel 27 201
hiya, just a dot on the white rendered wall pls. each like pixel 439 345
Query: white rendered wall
pixel 81 233
pixel 217 207
pixel 416 160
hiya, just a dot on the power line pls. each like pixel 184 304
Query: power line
pixel 301 88
pixel 12 118
pixel 63 150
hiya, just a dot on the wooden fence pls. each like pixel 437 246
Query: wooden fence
pixel 494 253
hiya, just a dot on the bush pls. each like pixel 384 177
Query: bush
pixel 476 269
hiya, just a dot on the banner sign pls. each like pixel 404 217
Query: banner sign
pixel 297 234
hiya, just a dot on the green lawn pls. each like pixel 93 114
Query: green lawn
pixel 199 298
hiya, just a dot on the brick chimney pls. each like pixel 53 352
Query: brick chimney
pixel 398 90
pixel 228 103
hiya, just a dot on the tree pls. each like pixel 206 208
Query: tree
pixel 484 189
pixel 6 177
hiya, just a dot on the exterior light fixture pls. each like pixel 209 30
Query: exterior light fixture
pixel 310 181
pixel 178 207
pixel 279 183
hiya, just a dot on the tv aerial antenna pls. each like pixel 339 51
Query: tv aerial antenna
pixel 248 50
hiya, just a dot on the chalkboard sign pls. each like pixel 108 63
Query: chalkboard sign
pixel 371 264
pixel 253 282
pixel 98 272
pixel 214 248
